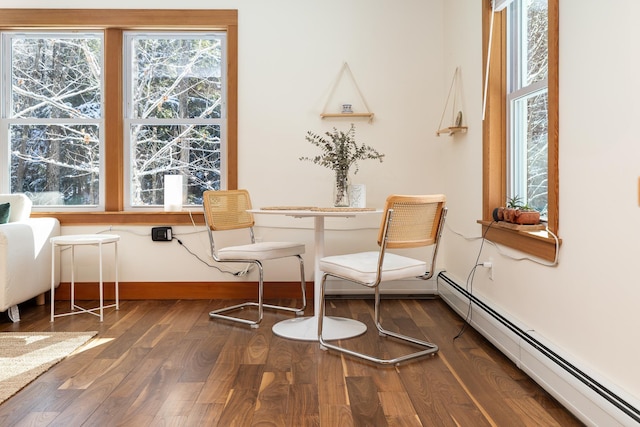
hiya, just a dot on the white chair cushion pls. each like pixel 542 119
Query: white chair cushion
pixel 361 267
pixel 261 251
pixel 20 206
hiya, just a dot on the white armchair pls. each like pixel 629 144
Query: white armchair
pixel 25 254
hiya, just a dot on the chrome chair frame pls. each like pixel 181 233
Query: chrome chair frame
pixel 391 236
pixel 241 219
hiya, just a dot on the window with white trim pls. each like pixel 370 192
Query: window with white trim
pixel 51 124
pixel 174 114
pixel 95 189
pixel 527 103
pixel 521 120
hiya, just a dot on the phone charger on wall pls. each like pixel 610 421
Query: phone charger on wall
pixel 161 234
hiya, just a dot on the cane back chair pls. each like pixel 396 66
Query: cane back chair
pixel 227 210
pixel 408 222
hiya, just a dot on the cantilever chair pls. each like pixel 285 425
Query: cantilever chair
pixel 408 222
pixel 227 210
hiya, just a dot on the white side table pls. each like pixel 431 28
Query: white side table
pixel 78 240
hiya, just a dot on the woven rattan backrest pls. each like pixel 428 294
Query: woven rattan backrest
pixel 415 220
pixel 227 209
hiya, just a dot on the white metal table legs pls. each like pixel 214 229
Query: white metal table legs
pixel 72 241
pixel 306 328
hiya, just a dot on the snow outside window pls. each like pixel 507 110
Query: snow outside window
pixel 527 103
pixel 51 120
pixel 175 118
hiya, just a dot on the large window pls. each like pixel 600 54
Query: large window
pixel 174 121
pixel 527 103
pixel 51 124
pixel 520 130
pixel 99 105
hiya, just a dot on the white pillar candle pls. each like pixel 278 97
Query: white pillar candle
pixel 172 193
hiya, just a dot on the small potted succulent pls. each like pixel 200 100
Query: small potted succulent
pixel 517 213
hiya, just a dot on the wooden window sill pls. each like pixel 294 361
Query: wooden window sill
pixel 540 244
pixel 124 218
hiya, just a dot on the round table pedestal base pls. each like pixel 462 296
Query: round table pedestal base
pixel 306 328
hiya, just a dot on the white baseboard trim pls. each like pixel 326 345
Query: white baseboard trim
pixel 396 287
pixel 594 401
pixel 400 287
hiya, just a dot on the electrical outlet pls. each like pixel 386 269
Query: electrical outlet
pixel 161 234
pixel 489 265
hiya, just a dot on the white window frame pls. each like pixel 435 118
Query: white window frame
pixel 128 109
pixel 6 122
pixel 518 92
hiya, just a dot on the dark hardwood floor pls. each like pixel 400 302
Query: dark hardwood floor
pixel 164 362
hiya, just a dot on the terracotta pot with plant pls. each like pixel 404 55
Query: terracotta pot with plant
pixel 517 213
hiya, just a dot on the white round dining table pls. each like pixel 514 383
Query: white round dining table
pixel 306 328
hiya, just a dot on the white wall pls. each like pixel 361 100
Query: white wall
pixel 588 304
pixel 290 55
pixel 403 55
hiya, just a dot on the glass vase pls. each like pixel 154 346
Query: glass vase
pixel 341 190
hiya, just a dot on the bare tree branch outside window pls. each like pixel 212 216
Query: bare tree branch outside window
pixel 54 117
pixel 174 119
pixel 528 103
pixel 176 111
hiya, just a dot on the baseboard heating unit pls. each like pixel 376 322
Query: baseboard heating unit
pixel 593 401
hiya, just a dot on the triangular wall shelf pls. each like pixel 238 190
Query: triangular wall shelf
pixel 457 124
pixel 360 114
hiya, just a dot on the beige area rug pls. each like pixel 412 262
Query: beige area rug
pixel 26 355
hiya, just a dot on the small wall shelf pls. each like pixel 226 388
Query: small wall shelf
pixel 457 116
pixel 365 114
pixel 451 130
pixel 346 115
